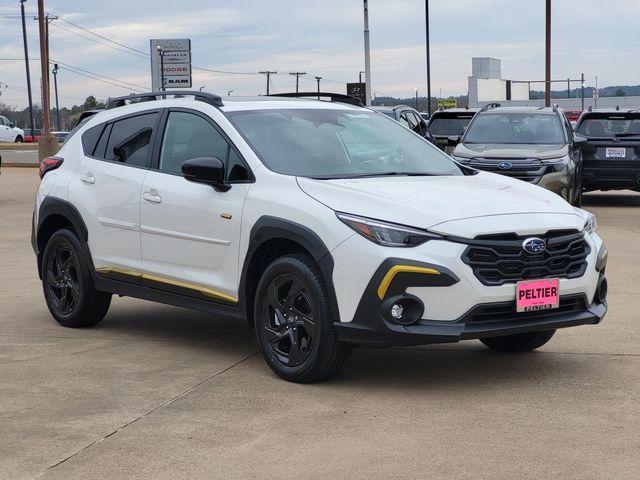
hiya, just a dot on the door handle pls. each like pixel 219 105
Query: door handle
pixel 88 179
pixel 152 196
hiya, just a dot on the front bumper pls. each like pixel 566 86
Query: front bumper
pixel 374 330
pixel 453 305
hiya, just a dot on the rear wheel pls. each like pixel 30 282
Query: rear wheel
pixel 67 284
pixel 293 322
pixel 521 342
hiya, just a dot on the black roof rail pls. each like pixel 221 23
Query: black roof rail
pixel 335 97
pixel 210 98
pixel 489 106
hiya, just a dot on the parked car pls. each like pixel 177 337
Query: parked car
pixel 321 224
pixel 611 154
pixel 61 136
pixel 9 132
pixel 28 138
pixel 409 117
pixel 533 144
pixel 573 116
pixel 447 123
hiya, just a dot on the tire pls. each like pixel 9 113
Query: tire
pixel 521 342
pixel 293 322
pixel 19 139
pixel 67 284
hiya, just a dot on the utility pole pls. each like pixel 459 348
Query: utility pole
pixel 55 88
pixel 298 75
pixel 318 80
pixel 48 144
pixel 417 99
pixel 547 82
pixel 568 88
pixel 428 45
pixel 47 20
pixel 268 74
pixel 367 55
pixel 360 76
pixel 582 89
pixel 26 62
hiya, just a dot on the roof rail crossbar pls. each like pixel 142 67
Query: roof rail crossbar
pixel 489 106
pixel 335 97
pixel 210 98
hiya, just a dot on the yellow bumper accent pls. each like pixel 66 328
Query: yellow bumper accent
pixel 393 271
pixel 176 283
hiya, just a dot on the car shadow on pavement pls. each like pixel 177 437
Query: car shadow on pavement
pixel 622 199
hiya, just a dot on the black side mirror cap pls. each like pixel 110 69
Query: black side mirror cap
pixel 453 140
pixel 207 170
pixel 12 125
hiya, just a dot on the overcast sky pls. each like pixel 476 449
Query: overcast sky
pixel 324 38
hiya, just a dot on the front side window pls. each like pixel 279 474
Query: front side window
pixel 130 138
pixel 328 143
pixel 189 136
pixel 604 125
pixel 515 128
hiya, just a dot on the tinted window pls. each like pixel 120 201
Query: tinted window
pixel 90 139
pixel 445 125
pixel 129 141
pixel 327 143
pixel 4 121
pixel 189 136
pixel 236 169
pixel 610 125
pixel 515 128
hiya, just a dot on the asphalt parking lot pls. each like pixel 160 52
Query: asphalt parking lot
pixel 161 392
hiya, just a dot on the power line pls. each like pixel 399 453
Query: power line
pixel 137 55
pixel 99 75
pixel 106 38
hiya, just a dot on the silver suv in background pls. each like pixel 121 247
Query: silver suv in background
pixel 534 144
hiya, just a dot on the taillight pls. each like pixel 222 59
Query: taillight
pixel 49 163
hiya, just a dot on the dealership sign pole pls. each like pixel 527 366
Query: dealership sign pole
pixel 170 63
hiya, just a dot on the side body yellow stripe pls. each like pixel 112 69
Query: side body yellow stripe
pixel 393 271
pixel 176 283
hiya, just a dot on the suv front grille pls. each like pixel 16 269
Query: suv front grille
pixel 500 259
pixel 529 170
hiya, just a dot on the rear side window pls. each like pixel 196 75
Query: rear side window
pixel 90 139
pixel 130 140
pixel 610 125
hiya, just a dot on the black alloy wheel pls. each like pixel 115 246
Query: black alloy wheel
pixel 294 323
pixel 62 279
pixel 289 329
pixel 67 283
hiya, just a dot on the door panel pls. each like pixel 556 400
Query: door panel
pixel 191 233
pixel 108 198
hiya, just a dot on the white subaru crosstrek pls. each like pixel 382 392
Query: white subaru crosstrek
pixel 325 225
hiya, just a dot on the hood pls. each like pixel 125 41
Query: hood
pixel 496 150
pixel 425 202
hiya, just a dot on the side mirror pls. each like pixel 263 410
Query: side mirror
pixel 12 125
pixel 579 140
pixel 453 140
pixel 207 170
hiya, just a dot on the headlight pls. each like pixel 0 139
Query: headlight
pixel 387 234
pixel 591 225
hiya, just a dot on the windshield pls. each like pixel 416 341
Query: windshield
pixel 515 128
pixel 323 143
pixel 610 125
pixel 445 125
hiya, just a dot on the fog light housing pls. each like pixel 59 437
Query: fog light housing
pixel 403 309
pixel 396 311
pixel 601 291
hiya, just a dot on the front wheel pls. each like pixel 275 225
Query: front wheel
pixel 19 139
pixel 293 322
pixel 521 342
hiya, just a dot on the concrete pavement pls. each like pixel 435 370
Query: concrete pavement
pixel 162 392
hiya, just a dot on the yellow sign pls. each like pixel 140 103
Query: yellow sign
pixel 447 103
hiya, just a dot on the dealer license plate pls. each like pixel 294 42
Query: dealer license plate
pixel 533 295
pixel 616 152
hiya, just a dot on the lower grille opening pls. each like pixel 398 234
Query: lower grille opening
pixel 506 311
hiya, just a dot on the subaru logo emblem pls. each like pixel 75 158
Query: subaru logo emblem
pixel 534 245
pixel 505 165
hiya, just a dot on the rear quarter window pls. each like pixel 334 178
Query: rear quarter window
pixel 90 139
